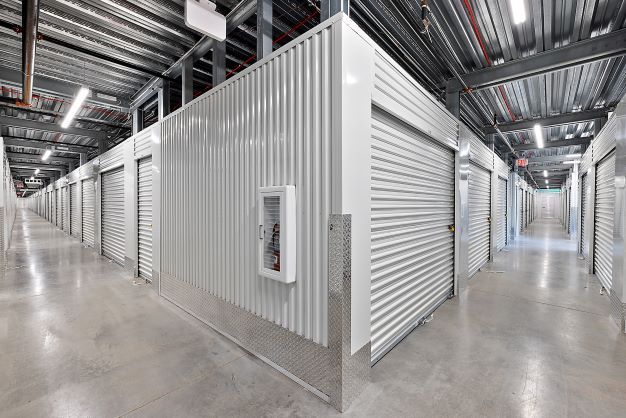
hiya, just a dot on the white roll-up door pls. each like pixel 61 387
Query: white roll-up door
pixel 113 224
pixel 605 206
pixel 88 211
pixel 74 214
pixel 412 245
pixel 59 211
pixel 65 195
pixel 479 217
pixel 144 214
pixel 520 215
pixel 502 215
pixel 583 212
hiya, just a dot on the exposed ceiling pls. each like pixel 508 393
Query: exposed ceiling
pixel 116 46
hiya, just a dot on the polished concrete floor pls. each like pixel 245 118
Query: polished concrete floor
pixel 530 337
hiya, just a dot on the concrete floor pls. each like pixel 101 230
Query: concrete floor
pixel 530 337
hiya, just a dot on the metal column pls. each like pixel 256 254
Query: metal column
pixel 263 29
pixel 187 80
pixel 219 63
pixel 329 8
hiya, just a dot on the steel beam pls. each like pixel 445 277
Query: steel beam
pixel 40 166
pixel 50 127
pixel 553 158
pixel 240 13
pixel 137 120
pixel 26 156
pixel 43 145
pixel 219 63
pixel 187 80
pixel 329 8
pixel 453 103
pixel 550 121
pixel 583 52
pixel 61 88
pixel 555 144
pixel 164 100
pixel 263 29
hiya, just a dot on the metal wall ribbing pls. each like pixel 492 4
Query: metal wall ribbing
pixel 270 126
pixel 412 246
pixel 502 208
pixel 144 218
pixel 604 212
pixel 584 202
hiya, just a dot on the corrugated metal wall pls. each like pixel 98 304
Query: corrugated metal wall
pixel 479 218
pixel 88 211
pixel 605 207
pixel 268 127
pixel 74 211
pixel 503 214
pixel 144 217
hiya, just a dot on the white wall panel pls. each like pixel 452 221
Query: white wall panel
pixel 604 220
pixel 268 127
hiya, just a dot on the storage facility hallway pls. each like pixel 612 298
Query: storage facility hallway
pixel 530 336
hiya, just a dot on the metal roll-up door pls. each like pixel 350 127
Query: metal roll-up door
pixel 113 227
pixel 604 208
pixel 412 188
pixel 66 209
pixel 88 211
pixel 74 214
pixel 59 211
pixel 479 218
pixel 502 215
pixel 521 209
pixel 583 213
pixel 144 214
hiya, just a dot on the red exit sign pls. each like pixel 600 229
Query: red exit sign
pixel 522 162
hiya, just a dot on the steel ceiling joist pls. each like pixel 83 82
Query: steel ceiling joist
pixel 551 121
pixel 40 166
pixel 555 144
pixel 62 88
pixel 554 158
pixel 51 127
pixel 237 16
pixel 583 52
pixel 27 156
pixel 43 145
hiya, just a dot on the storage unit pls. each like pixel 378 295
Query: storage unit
pixel 74 211
pixel 584 202
pixel 604 213
pixel 501 240
pixel 412 246
pixel 479 218
pixel 144 218
pixel 59 208
pixel 88 211
pixel 65 197
pixel 520 216
pixel 112 215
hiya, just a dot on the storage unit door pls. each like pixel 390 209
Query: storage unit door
pixel 479 217
pixel 74 214
pixel 66 209
pixel 88 211
pixel 502 215
pixel 144 221
pixel 520 215
pixel 605 205
pixel 59 211
pixel 412 245
pixel 583 213
pixel 113 215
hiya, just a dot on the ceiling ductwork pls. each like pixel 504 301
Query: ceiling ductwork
pixel 30 22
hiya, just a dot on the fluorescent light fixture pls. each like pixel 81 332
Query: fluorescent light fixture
pixel 538 135
pixel 519 11
pixel 76 104
pixel 46 155
pixel 545 173
pixel 571 162
pixel 37 171
pixel 546 181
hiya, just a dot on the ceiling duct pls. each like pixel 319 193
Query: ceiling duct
pixel 30 22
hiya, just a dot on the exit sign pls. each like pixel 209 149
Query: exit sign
pixel 522 162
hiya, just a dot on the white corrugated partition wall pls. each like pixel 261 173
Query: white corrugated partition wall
pixel 112 215
pixel 604 212
pixel 74 211
pixel 479 218
pixel 583 212
pixel 501 234
pixel 412 246
pixel 144 217
pixel 88 211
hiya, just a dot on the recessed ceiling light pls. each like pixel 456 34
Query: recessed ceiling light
pixel 538 135
pixel 76 104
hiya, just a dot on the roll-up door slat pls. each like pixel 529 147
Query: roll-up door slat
pixel 113 224
pixel 144 213
pixel 502 215
pixel 583 213
pixel 412 189
pixel 74 215
pixel 88 211
pixel 479 217
pixel 604 211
